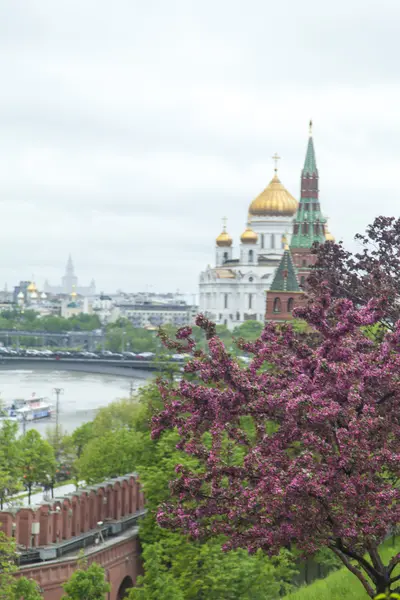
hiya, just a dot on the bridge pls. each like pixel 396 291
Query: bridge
pixel 124 367
pixel 65 339
pixel 101 520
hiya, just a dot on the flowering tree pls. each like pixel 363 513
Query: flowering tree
pixel 300 447
pixel 370 273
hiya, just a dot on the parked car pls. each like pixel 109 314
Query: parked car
pixel 146 355
pixel 129 355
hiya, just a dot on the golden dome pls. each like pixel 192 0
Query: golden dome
pixel 328 236
pixel 249 236
pixel 275 200
pixel 31 287
pixel 224 239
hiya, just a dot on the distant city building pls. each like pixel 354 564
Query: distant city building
pixel 27 296
pixel 74 305
pixel 151 314
pixel 235 289
pixel 103 307
pixel 69 283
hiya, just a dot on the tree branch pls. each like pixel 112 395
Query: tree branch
pixel 355 570
pixel 368 568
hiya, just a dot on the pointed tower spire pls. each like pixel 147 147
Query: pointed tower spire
pixel 310 163
pixel 285 279
pixel 70 264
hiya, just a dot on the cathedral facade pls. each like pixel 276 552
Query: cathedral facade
pixel 235 289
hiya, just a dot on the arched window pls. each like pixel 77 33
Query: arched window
pixel 262 240
pixel 277 305
pixel 316 228
pixel 290 305
pixel 250 256
pixel 250 300
pixel 272 240
pixel 238 316
pixel 305 228
pixel 225 300
pixel 302 281
pixel 304 263
pixel 225 256
pixel 296 228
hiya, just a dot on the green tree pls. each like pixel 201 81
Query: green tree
pixel 203 571
pixel 249 330
pixel 9 460
pixel 37 460
pixel 112 454
pixel 10 587
pixel 86 583
pixel 25 589
pixel 81 436
pixel 157 583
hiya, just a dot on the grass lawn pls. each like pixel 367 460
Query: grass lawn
pixel 341 585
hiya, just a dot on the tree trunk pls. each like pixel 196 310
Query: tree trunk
pixel 29 492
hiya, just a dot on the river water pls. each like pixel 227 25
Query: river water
pixel 83 393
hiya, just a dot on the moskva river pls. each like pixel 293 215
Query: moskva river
pixel 83 393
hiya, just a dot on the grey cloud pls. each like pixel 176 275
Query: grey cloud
pixel 128 129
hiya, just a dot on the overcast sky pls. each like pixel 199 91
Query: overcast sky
pixel 128 128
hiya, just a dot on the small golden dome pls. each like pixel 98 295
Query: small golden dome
pixel 275 200
pixel 31 287
pixel 249 236
pixel 328 236
pixel 224 239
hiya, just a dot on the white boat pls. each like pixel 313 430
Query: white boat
pixel 29 410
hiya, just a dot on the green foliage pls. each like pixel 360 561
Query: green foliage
pixel 37 460
pixel 176 568
pixel 9 460
pixel 25 589
pixel 340 585
pixel 157 583
pixel 122 335
pixel 81 437
pixel 249 330
pixel 110 455
pixel 10 587
pixel 204 571
pixel 86 583
pixel 31 320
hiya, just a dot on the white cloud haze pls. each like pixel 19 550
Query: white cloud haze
pixel 128 128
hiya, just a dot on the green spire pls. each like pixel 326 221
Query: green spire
pixel 285 279
pixel 309 222
pixel 310 164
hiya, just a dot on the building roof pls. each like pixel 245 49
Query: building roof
pixel 275 200
pixel 225 274
pixel 310 163
pixel 285 279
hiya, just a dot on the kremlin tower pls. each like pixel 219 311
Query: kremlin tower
pixel 309 224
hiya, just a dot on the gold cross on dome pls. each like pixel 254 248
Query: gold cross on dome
pixel 275 158
pixel 224 220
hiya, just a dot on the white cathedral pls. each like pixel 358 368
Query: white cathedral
pixel 234 291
